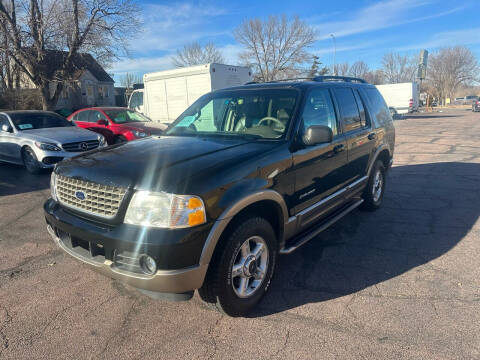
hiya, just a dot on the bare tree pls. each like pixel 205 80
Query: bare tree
pixel 341 69
pixel 36 30
pixel 398 68
pixel 375 77
pixel 275 48
pixel 359 69
pixel 195 54
pixel 451 67
pixel 128 80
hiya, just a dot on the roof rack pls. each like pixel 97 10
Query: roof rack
pixel 338 78
pixel 324 78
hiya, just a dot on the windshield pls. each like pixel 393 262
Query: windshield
pixel 29 121
pixel 125 116
pixel 262 113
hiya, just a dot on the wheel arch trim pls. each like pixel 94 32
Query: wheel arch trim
pixel 228 214
pixel 376 155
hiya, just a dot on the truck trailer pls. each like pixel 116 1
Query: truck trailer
pixel 404 97
pixel 166 94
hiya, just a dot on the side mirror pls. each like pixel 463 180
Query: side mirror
pixel 102 122
pixel 317 134
pixel 6 128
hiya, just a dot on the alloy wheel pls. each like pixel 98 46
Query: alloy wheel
pixel 250 266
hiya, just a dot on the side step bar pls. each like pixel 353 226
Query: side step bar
pixel 320 227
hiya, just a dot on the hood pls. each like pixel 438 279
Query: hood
pixel 59 135
pixel 160 163
pixel 149 127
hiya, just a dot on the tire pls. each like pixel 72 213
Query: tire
pixel 120 139
pixel 30 161
pixel 373 193
pixel 222 288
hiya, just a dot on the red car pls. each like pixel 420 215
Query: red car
pixel 116 124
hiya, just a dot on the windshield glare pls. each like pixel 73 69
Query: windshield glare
pixel 248 113
pixel 29 121
pixel 125 116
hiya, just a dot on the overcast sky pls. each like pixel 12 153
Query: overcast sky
pixel 364 29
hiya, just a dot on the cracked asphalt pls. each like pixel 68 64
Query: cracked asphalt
pixel 400 283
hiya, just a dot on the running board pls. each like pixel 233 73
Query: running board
pixel 320 227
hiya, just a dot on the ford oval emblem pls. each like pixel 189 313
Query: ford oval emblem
pixel 80 195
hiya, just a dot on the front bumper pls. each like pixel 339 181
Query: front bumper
pixel 177 253
pixel 169 281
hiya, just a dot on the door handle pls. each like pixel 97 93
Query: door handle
pixel 338 148
pixel 372 136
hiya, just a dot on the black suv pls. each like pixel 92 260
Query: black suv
pixel 244 174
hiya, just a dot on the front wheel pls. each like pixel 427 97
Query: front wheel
pixel 242 268
pixel 30 161
pixel 120 139
pixel 373 193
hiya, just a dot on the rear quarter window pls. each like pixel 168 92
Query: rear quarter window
pixel 378 107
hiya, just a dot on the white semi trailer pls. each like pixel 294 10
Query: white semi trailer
pixel 166 94
pixel 404 97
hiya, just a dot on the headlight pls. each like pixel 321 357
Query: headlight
pixel 159 209
pixel 101 141
pixel 139 133
pixel 53 186
pixel 47 146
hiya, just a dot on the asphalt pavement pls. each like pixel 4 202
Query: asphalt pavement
pixel 399 283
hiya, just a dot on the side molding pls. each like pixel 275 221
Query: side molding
pixel 231 211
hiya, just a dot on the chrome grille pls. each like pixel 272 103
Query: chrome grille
pixel 100 200
pixel 81 146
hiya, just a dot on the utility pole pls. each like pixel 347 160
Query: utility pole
pixel 334 54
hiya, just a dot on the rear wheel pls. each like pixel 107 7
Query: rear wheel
pixel 30 161
pixel 373 193
pixel 242 268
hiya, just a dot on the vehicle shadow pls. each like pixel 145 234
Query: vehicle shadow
pixel 14 179
pixel 427 210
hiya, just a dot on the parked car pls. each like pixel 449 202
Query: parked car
pixel 242 175
pixel 40 139
pixel 116 124
pixel 476 106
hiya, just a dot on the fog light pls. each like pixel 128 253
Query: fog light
pixel 148 265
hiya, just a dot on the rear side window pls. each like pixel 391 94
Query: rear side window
pixel 348 108
pixel 361 108
pixel 82 116
pixel 379 109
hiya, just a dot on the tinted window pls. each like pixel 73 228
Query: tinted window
pixel 361 108
pixel 82 116
pixel 319 110
pixel 28 121
pixel 379 108
pixel 348 108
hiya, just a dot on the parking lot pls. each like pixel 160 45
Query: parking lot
pixel 400 283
